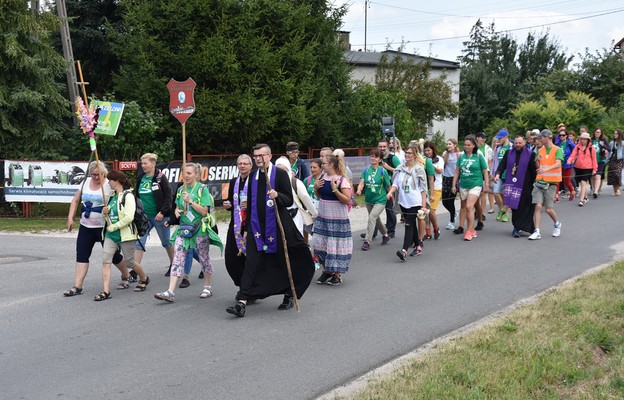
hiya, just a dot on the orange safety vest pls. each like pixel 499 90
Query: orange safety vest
pixel 553 175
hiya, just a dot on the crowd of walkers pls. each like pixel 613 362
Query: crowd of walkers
pixel 289 217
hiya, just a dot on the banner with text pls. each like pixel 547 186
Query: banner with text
pixel 42 181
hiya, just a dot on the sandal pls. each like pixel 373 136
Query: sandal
pixel 124 284
pixel 205 293
pixel 102 296
pixel 74 291
pixel 142 285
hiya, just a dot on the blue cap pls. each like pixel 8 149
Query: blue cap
pixel 501 134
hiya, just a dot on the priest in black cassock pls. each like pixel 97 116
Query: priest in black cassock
pixel 265 272
pixel 236 203
pixel 518 169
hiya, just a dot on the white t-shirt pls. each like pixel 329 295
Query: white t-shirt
pixel 437 182
pixel 96 219
pixel 410 190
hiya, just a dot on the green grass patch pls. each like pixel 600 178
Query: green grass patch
pixel 569 345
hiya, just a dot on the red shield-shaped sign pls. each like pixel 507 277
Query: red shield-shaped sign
pixel 181 100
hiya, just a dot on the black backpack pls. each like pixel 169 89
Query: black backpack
pixel 140 221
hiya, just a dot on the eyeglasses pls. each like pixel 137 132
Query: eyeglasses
pixel 260 155
pixel 95 175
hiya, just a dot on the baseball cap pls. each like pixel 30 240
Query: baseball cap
pixel 501 134
pixel 545 133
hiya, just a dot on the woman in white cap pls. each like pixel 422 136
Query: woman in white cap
pixel 583 158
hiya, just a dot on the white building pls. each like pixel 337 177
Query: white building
pixel 365 65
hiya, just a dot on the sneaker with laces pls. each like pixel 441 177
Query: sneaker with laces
pixel 516 233
pixel 401 254
pixel 459 230
pixel 536 235
pixel 167 296
pixel 468 236
pixel 323 278
pixel 474 234
pixel 505 218
pixel 479 226
pixel 385 240
pixel 499 215
pixel 450 226
pixel 557 229
pixel 365 246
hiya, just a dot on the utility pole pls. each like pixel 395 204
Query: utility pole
pixel 365 22
pixel 68 53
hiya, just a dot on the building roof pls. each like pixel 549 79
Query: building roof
pixel 618 45
pixel 374 59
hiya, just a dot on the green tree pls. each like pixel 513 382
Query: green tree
pixel 266 70
pixel 31 104
pixel 426 97
pixel 575 109
pixel 139 133
pixel 496 71
pixel 90 23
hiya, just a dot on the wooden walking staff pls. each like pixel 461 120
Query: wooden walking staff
pixel 182 106
pixel 88 122
pixel 284 242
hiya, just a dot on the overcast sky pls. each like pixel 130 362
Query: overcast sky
pixel 440 29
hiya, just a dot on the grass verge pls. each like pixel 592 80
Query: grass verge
pixel 568 345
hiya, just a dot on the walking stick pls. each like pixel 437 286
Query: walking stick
pixel 281 227
pixel 94 149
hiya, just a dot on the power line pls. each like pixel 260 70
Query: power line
pixel 505 30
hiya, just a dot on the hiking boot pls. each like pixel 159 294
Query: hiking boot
pixel 287 303
pixel 237 309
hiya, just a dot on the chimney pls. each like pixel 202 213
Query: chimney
pixel 344 40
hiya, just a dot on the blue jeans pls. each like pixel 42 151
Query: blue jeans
pixel 164 233
pixel 188 262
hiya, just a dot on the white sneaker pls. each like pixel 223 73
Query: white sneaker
pixel 536 235
pixel 557 229
pixel 450 226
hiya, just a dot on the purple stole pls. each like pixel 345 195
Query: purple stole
pixel 270 244
pixel 514 180
pixel 238 217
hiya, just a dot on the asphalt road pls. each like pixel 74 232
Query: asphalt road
pixel 133 346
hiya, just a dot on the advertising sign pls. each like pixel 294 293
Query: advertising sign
pixel 42 181
pixel 181 99
pixel 109 117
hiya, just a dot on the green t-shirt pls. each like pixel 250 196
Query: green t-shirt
pixel 558 156
pixel 501 153
pixel 147 197
pixel 199 194
pixel 471 170
pixel 114 218
pixel 375 182
pixel 599 156
pixel 311 180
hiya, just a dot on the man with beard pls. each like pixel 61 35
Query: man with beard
pixel 269 192
pixel 235 251
pixel 519 167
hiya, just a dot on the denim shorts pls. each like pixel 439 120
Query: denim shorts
pixel 164 233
